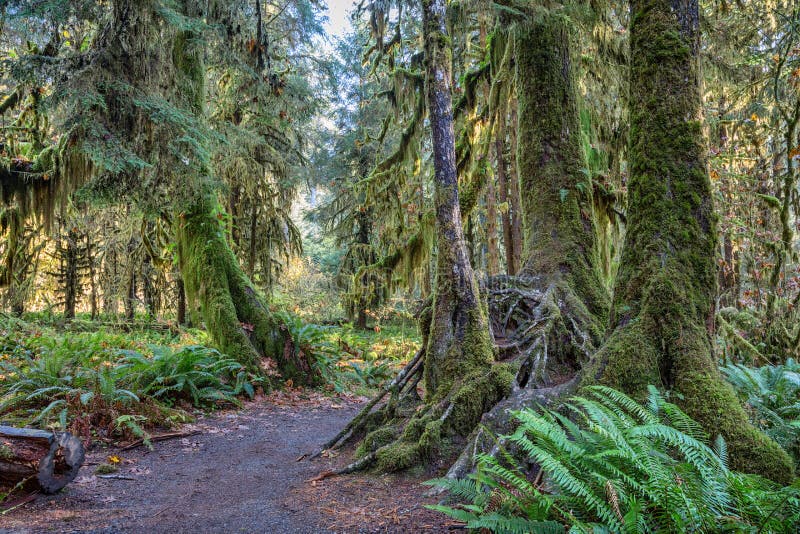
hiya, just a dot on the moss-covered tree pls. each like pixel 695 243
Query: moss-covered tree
pixel 663 312
pixel 136 132
pixel 456 362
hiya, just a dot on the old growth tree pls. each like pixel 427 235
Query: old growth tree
pixel 132 101
pixel 556 325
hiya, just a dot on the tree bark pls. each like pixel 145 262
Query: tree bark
pixel 550 318
pixel 216 287
pixel 460 381
pixel 663 311
pixel 515 202
pixel 91 260
pixel 181 297
pixel 459 333
pixel 502 184
pixel 557 222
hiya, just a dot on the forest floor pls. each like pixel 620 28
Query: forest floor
pixel 239 473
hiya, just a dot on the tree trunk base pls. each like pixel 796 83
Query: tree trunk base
pixel 544 335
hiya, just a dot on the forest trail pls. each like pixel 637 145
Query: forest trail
pixel 239 474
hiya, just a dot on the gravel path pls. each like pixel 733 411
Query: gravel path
pixel 239 474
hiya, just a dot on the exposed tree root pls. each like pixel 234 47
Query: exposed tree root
pixel 396 387
pixel 544 335
pixel 541 324
pixel 499 420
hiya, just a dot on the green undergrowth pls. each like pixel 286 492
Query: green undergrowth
pixel 771 395
pixel 109 385
pixel 610 464
pixel 115 381
pixel 357 360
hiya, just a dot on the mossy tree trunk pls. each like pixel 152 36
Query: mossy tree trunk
pixel 558 229
pixel 364 234
pixel 503 192
pixel 461 382
pixel 514 201
pixel 69 271
pixel 459 337
pixel 663 311
pixel 222 296
pixel 551 316
pixel 12 224
pixel 216 287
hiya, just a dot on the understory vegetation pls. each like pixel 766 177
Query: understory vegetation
pixel 552 246
pixel 108 385
pixel 606 463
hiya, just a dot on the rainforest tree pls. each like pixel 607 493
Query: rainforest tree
pixel 663 314
pixel 135 129
pixel 556 324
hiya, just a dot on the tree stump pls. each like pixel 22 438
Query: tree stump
pixel 38 458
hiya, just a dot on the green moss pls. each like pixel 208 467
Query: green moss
pixel 627 362
pixel 430 442
pixel 5 452
pixel 397 456
pixel 477 394
pixel 451 417
pixel 713 403
pixel 46 160
pixel 414 429
pixel 219 291
pixel 459 343
pixel 375 440
pixel 105 469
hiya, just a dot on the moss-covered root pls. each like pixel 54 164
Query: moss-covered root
pixel 630 361
pixel 438 430
pixel 222 296
pixel 499 421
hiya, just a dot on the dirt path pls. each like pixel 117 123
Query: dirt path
pixel 239 474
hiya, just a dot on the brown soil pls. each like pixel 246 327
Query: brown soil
pixel 239 474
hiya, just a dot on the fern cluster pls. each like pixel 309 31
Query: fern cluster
pixel 610 464
pixel 105 385
pixel 773 394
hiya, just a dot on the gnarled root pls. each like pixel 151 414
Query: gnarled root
pixel 544 335
pixel 543 325
pixel 401 386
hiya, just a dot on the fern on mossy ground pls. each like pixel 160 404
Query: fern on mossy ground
pixel 608 463
pixel 772 393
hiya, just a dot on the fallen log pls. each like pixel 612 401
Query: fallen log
pixel 38 458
